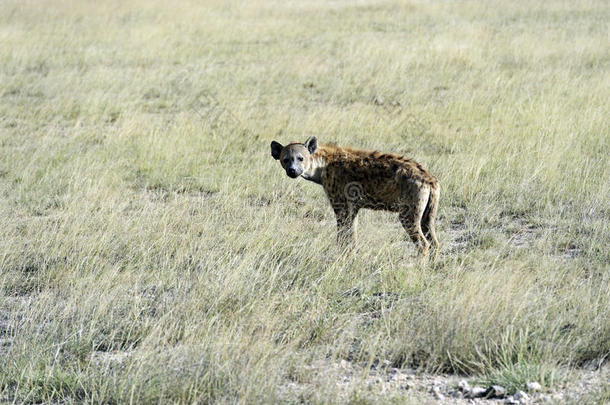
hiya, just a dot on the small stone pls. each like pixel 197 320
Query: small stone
pixel 378 100
pixel 477 392
pixel 498 391
pixel 522 397
pixel 463 386
pixel 546 399
pixel 402 377
pixel 511 401
pixel 5 342
pixel 533 387
pixel 456 394
pixel 437 393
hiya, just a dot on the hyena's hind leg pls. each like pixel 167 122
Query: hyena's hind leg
pixel 429 217
pixel 411 215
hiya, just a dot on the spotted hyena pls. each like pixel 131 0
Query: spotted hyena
pixel 355 179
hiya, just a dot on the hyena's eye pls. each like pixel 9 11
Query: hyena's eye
pixel 300 158
pixel 286 160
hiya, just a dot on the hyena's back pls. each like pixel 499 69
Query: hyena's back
pixel 376 180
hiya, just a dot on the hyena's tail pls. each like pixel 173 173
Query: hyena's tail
pixel 429 216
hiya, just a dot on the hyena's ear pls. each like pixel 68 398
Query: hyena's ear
pixel 276 149
pixel 312 144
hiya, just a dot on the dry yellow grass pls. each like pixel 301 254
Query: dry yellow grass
pixel 151 249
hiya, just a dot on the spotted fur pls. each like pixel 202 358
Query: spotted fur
pixel 354 179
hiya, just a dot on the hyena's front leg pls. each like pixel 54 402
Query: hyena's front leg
pixel 347 223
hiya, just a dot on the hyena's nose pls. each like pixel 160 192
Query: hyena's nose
pixel 292 172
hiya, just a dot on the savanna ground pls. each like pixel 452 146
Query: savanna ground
pixel 153 251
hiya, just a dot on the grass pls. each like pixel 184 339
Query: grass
pixel 153 251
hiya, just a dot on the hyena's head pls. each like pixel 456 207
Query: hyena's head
pixel 295 157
